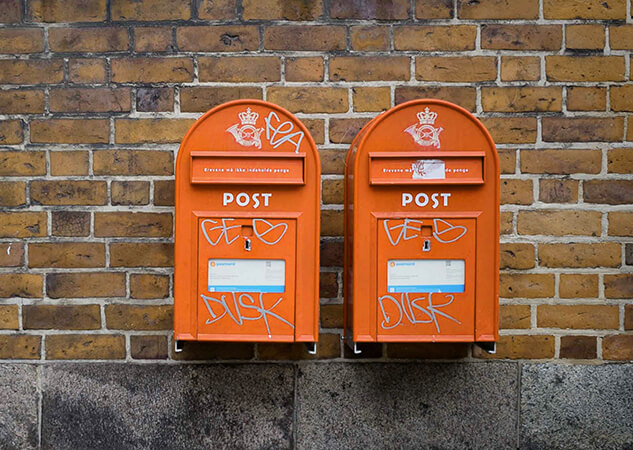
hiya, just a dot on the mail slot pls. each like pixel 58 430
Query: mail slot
pixel 247 227
pixel 422 228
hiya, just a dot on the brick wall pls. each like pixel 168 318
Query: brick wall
pixel 95 96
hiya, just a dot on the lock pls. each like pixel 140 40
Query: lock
pixel 247 244
pixel 426 247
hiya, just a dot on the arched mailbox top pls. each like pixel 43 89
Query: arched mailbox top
pixel 244 128
pixel 427 127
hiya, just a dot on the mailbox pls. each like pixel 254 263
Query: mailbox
pixel 247 227
pixel 422 228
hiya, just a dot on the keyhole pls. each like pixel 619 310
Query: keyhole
pixel 426 247
pixel 247 244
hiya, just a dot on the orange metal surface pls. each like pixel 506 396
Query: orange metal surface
pixel 247 227
pixel 422 228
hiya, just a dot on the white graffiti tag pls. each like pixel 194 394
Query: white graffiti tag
pixel 410 309
pixel 443 231
pixel 262 228
pixel 284 130
pixel 242 305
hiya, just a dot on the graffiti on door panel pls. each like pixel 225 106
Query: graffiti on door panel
pixel 414 310
pixel 399 230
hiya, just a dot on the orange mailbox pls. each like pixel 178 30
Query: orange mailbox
pixel 422 228
pixel 247 227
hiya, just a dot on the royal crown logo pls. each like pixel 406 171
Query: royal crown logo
pixel 247 134
pixel 424 133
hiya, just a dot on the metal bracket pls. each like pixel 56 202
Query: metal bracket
pixel 178 346
pixel 352 345
pixel 311 347
pixel 488 347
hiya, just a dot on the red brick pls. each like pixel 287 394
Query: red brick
pixel 85 346
pixel 618 347
pixel 584 37
pixel 201 99
pixel 67 10
pixel 11 132
pixel 521 99
pixel 621 37
pixel 220 38
pixel 90 100
pixel 558 191
pixel 331 253
pixel 22 224
pixel 561 161
pixel 239 69
pixel 514 317
pixel 520 347
pixel 583 129
pixel 216 9
pixel 578 285
pixel 518 192
pixel 85 284
pixel 455 69
pixel 75 162
pixel 584 9
pixel 82 192
pixel 370 38
pixel 70 223
pixel 151 10
pixel 332 161
pixel 559 223
pixel 11 254
pixel 578 347
pixel 88 70
pixel 21 101
pixel 434 9
pixel 584 68
pixel 70 131
pixel 507 160
pixel 282 9
pixel 302 38
pixel 12 193
pixel 520 68
pixel 369 99
pixel 152 70
pixel 139 131
pixel 152 39
pixel 129 224
pixel 10 11
pixel 9 317
pixel 511 130
pixel 304 69
pixel 20 346
pixel 96 40
pixel 331 316
pixel 144 286
pixel 67 254
pixel 124 254
pixel 435 38
pixel 343 131
pixel 129 192
pixel 462 96
pixel 528 285
pixel 621 223
pixel 586 98
pixel 517 256
pixel 148 347
pixel 154 99
pixel 133 162
pixel 370 9
pixel 139 317
pixel 604 254
pixel 621 98
pixel 164 193
pixel 618 285
pixel 34 71
pixel 610 192
pixel 331 222
pixel 21 40
pixel 310 99
pixel 62 317
pixel 20 285
pixel 498 9
pixel 521 37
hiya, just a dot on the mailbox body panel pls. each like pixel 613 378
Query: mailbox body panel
pixel 247 227
pixel 426 170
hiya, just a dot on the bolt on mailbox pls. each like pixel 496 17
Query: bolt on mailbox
pixel 247 227
pixel 422 228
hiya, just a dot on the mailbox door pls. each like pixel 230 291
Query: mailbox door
pixel 425 278
pixel 246 278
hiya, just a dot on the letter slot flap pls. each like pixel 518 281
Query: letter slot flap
pixel 247 168
pixel 410 168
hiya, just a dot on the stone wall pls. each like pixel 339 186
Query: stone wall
pixel 95 96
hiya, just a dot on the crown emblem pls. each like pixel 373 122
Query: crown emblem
pixel 427 117
pixel 249 117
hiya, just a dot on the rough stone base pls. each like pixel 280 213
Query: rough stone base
pixel 316 405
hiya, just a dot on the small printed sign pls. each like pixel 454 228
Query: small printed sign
pixel 247 275
pixel 426 275
pixel 425 169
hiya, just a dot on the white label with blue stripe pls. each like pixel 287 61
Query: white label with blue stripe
pixel 426 275
pixel 247 275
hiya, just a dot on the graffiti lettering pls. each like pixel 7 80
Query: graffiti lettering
pixel 262 228
pixel 443 231
pixel 407 308
pixel 284 130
